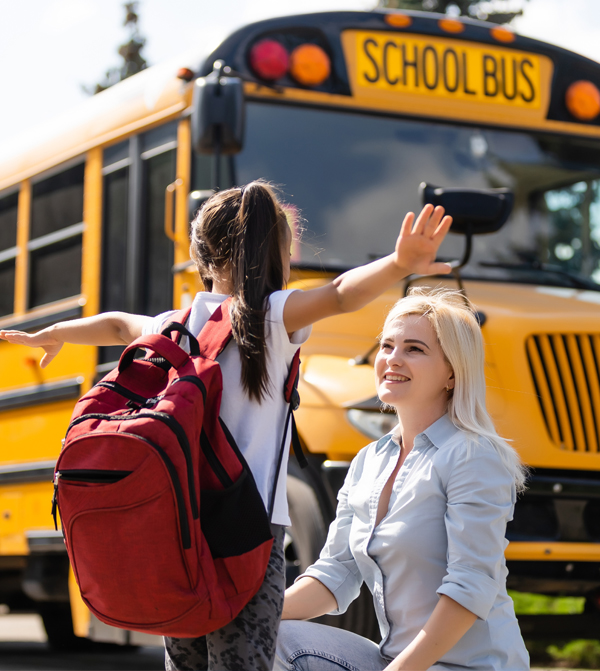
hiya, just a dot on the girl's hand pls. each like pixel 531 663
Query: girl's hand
pixel 417 245
pixel 43 339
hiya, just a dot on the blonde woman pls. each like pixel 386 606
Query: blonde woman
pixel 421 517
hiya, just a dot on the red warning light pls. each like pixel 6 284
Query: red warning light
pixel 269 59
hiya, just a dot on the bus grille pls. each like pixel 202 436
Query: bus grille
pixel 565 370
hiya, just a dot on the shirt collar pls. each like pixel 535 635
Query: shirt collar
pixel 437 434
pixel 440 431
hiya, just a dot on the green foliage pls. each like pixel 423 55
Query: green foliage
pixel 497 11
pixel 581 654
pixel 540 604
pixel 130 52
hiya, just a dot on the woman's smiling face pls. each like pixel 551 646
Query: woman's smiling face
pixel 410 368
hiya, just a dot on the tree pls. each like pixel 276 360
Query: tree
pixel 497 11
pixel 130 52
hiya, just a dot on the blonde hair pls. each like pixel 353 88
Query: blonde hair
pixel 453 319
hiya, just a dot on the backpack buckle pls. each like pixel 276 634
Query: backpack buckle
pixel 295 400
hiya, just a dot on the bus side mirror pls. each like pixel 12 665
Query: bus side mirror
pixel 473 211
pixel 218 113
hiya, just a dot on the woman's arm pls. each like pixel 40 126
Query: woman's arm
pixel 415 252
pixel 110 328
pixel 448 623
pixel 307 598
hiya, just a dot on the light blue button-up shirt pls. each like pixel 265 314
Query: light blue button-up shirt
pixel 444 533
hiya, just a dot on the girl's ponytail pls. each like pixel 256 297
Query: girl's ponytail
pixel 242 230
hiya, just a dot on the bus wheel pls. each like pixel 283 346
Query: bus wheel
pixel 58 624
pixel 305 538
pixel 303 543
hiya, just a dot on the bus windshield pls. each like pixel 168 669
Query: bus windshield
pixel 354 175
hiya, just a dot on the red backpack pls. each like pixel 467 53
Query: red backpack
pixel 165 528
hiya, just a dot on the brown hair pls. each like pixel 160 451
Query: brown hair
pixel 242 230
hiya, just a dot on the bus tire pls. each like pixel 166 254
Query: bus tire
pixel 304 541
pixel 58 624
pixel 306 536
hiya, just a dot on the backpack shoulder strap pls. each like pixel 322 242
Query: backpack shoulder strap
pixel 216 332
pixel 292 398
pixel 180 317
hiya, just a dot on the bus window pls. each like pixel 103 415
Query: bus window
pixel 114 258
pixel 55 237
pixel 354 195
pixel 202 172
pixel 159 147
pixel 572 239
pixel 137 255
pixel 8 251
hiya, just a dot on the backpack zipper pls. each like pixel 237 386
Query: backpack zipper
pixel 183 520
pixel 84 475
pixel 175 427
pixel 93 475
pixel 194 380
pixel 123 391
pixel 205 445
pixel 214 462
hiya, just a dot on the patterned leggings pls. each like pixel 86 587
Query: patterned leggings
pixel 248 642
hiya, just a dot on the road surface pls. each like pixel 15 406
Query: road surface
pixel 23 647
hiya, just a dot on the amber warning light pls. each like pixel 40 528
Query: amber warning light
pixel 583 100
pixel 309 65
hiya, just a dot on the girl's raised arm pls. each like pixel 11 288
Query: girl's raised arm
pixel 109 328
pixel 415 252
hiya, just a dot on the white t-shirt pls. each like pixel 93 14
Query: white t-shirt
pixel 257 427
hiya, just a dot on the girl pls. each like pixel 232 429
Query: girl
pixel 240 241
pixel 421 517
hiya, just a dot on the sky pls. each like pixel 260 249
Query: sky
pixel 49 49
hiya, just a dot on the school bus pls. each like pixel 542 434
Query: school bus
pixel 349 112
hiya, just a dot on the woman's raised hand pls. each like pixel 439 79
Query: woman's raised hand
pixel 417 245
pixel 49 343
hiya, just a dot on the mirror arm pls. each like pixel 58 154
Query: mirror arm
pixel 457 265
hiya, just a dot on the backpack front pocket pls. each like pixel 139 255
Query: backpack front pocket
pixel 128 533
pixel 133 551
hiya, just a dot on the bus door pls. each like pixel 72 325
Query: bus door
pixel 137 255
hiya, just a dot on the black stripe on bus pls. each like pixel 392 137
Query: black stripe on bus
pixel 39 471
pixel 30 323
pixel 40 393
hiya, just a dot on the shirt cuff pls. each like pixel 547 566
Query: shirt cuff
pixel 339 580
pixel 472 589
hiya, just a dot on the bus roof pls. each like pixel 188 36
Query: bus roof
pixel 148 97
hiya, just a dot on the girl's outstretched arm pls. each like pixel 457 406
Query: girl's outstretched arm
pixel 109 328
pixel 415 252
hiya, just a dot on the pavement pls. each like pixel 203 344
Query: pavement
pixel 23 647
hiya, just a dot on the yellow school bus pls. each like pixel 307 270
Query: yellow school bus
pixel 350 113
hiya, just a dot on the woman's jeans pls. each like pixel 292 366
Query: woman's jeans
pixel 308 646
pixel 248 642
